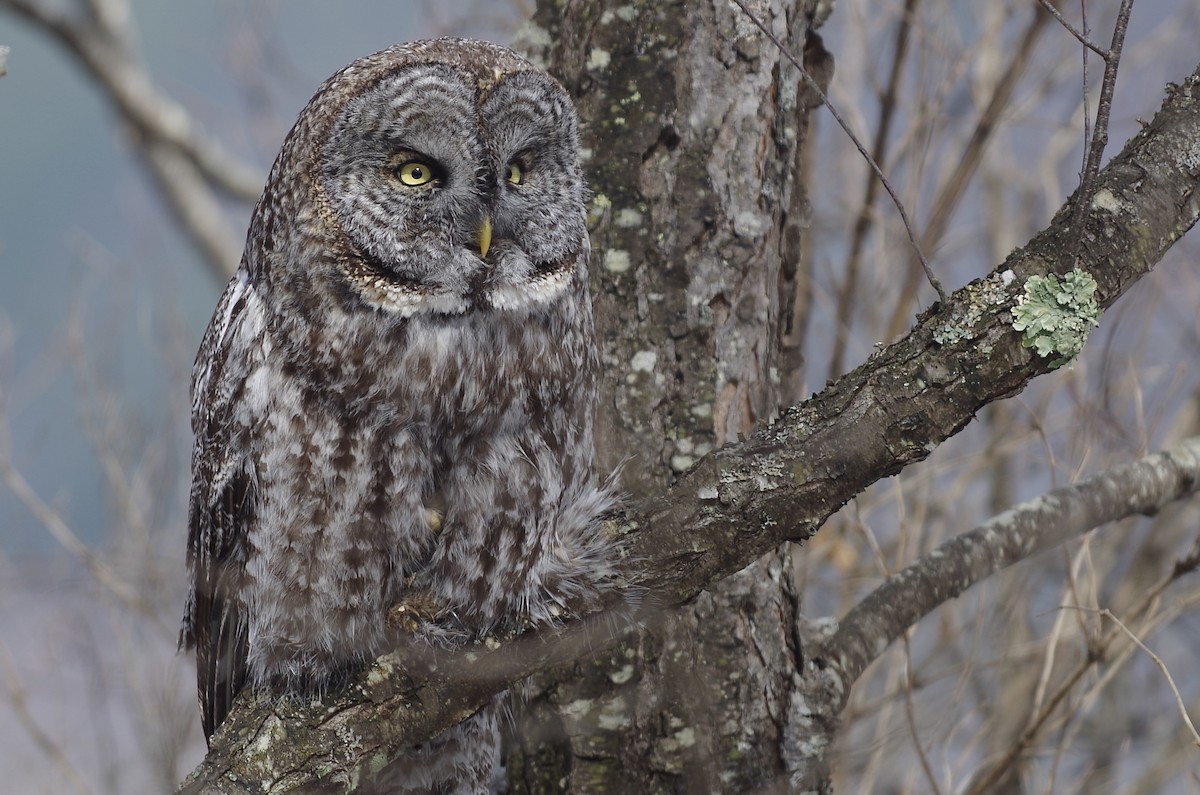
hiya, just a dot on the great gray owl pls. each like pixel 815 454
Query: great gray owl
pixel 395 394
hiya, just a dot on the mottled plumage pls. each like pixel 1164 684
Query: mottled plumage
pixel 386 406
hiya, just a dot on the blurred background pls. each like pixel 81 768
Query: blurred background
pixel 104 296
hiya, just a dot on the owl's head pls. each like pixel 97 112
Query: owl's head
pixel 438 177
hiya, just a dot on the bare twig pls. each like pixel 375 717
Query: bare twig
pixel 15 693
pixel 1084 90
pixel 1087 183
pixel 1042 718
pixel 910 715
pixel 951 192
pixel 64 535
pixel 862 224
pixel 1010 537
pixel 1081 36
pixel 1162 667
pixel 862 150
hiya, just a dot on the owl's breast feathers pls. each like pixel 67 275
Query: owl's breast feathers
pixel 316 466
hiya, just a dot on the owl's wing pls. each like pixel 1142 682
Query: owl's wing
pixel 223 499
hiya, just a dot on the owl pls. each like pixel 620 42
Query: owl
pixel 393 402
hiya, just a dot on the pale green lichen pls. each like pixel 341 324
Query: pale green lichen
pixel 617 261
pixel 628 218
pixel 598 58
pixel 1055 317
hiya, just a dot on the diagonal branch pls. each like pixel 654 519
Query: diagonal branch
pixel 382 708
pixel 950 192
pixel 104 52
pixel 1142 487
pixel 780 484
pixel 815 87
pixel 192 169
pixel 1079 35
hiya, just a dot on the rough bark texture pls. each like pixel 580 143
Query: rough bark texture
pixel 694 121
pixel 726 693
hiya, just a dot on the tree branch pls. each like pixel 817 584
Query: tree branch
pixel 270 744
pixel 893 410
pixel 1142 487
pixel 190 167
pixel 744 499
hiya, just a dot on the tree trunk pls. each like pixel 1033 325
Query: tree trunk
pixel 695 122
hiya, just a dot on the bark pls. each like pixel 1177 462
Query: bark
pixel 693 124
pixel 696 123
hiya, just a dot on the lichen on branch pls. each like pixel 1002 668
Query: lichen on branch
pixel 1055 317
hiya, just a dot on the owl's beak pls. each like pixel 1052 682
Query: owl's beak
pixel 484 236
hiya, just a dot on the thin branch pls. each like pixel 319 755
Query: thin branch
pixel 1097 653
pixel 1084 90
pixel 194 205
pixel 58 528
pixel 1082 37
pixel 1162 667
pixel 862 150
pixel 1024 530
pixel 910 716
pixel 1095 152
pixel 967 163
pixel 862 224
pixel 17 701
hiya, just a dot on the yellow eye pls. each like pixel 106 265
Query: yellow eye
pixel 414 173
pixel 516 174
